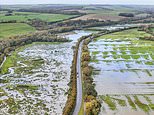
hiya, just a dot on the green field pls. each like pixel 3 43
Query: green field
pixel 110 10
pixel 11 29
pixel 131 33
pixel 24 16
pixel 152 29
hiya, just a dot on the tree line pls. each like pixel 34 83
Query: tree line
pixel 10 44
pixel 92 105
pixel 148 29
pixel 90 94
pixel 72 92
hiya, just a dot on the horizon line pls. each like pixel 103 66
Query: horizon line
pixel 77 4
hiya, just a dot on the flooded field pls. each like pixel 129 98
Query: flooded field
pixel 38 82
pixel 118 26
pixel 123 71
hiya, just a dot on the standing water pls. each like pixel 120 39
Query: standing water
pixel 38 83
pixel 123 72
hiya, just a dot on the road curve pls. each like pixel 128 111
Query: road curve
pixel 79 82
pixel 3 62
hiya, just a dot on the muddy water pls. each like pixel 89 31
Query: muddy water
pixel 39 90
pixel 124 76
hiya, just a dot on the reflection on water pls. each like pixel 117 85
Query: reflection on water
pixel 118 26
pixel 38 84
pixel 124 75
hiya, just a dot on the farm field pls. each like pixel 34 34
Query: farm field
pixel 101 17
pixel 118 26
pixel 123 72
pixel 35 77
pixel 76 58
pixel 24 16
pixel 107 13
pixel 12 29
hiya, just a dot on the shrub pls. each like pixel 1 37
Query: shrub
pixel 126 14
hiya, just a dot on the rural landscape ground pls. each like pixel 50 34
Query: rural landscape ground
pixel 76 59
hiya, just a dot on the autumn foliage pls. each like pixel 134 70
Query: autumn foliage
pixel 92 105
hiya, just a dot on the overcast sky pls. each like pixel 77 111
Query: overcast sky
pixel 139 2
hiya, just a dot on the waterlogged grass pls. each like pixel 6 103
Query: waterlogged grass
pixel 125 57
pixel 11 61
pixel 116 56
pixel 131 33
pixel 108 100
pixel 13 106
pixel 30 64
pixel 141 105
pixel 2 92
pixel 4 80
pixel 105 53
pixel 105 56
pixel 131 103
pixel 27 86
pixel 126 62
pixel 95 53
pixel 152 29
pixel 114 53
pixel 149 63
pixel 38 79
pixel 12 29
pixel 135 56
pixel 121 102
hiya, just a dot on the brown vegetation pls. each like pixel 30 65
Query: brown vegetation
pixel 90 94
pixel 99 17
pixel 148 29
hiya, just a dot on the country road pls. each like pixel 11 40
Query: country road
pixel 79 78
pixel 79 82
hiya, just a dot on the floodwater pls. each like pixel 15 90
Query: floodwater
pixel 124 75
pixel 38 84
pixel 118 26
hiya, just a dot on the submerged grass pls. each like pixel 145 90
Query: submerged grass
pixel 2 92
pixel 131 33
pixel 95 52
pixel 27 86
pixel 108 100
pixel 125 57
pixel 120 101
pixel 131 103
pixel 149 63
pixel 11 61
pixel 135 56
pixel 12 106
pixel 141 105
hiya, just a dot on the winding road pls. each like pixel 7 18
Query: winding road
pixel 79 82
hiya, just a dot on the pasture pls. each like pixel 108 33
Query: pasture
pixel 12 29
pixel 25 16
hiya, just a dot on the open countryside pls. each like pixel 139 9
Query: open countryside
pixel 76 59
